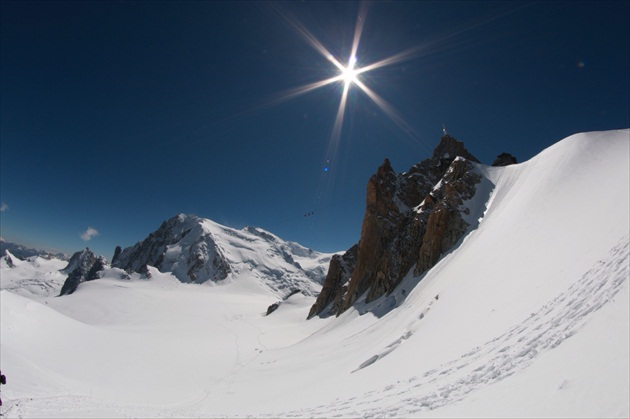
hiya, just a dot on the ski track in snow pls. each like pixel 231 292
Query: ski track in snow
pixel 499 358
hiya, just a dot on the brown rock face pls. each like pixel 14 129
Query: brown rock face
pixel 410 219
pixel 445 225
pixel 335 284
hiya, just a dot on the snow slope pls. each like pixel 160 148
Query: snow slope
pixel 278 264
pixel 527 316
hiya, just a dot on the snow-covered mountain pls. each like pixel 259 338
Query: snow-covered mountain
pixel 36 276
pixel 197 250
pixel 23 252
pixel 527 316
pixel 82 266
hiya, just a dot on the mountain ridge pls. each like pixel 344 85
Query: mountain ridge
pixel 411 220
pixel 23 252
pixel 198 250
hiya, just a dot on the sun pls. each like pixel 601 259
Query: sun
pixel 349 74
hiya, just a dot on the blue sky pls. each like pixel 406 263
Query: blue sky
pixel 118 115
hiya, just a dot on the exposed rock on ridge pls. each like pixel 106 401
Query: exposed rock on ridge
pixel 336 282
pixel 202 259
pixel 83 266
pixel 449 148
pixel 410 219
pixel 443 209
pixel 504 159
pixel 197 250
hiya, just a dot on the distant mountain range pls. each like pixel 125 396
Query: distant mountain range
pixel 24 252
pixel 197 250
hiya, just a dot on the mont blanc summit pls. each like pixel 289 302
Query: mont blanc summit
pixel 197 250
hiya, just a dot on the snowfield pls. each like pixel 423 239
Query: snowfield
pixel 527 316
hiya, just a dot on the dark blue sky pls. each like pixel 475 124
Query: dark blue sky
pixel 119 115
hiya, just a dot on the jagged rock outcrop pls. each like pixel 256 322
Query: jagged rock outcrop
pixel 117 252
pixel 9 260
pixel 83 266
pixel 444 212
pixel 335 284
pixel 98 266
pixel 410 219
pixel 273 307
pixel 82 260
pixel 504 159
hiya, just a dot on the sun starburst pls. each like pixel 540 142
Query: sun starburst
pixel 351 74
pixel 348 76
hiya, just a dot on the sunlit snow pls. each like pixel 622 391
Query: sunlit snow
pixel 527 316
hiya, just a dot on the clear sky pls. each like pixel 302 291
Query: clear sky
pixel 118 115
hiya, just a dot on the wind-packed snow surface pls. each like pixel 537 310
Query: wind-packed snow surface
pixel 527 316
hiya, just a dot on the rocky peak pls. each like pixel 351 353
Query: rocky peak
pixel 504 159
pixel 180 245
pixel 82 260
pixel 449 148
pixel 381 191
pixel 410 219
pixel 385 169
pixel 197 250
pixel 83 266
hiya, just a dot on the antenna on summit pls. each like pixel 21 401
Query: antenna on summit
pixel 444 130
